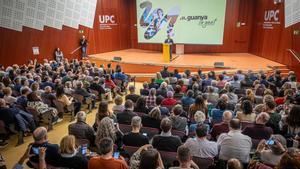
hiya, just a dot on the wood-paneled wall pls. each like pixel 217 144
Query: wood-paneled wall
pixel 273 43
pixel 16 47
pixel 236 39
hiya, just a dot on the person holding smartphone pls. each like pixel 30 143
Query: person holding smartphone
pixel 270 151
pixel 107 157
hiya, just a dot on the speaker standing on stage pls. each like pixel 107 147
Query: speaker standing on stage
pixel 83 44
pixel 170 42
pixel 59 56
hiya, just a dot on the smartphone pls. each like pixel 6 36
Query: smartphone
pixel 116 155
pixel 36 150
pixel 145 134
pixel 270 142
pixel 84 149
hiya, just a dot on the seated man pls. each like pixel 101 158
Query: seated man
pixel 178 122
pixel 200 146
pixel 126 116
pixel 259 130
pixel 41 140
pixel 234 144
pixel 188 99
pixel 81 130
pixel 22 100
pixel 48 95
pixel 145 90
pixel 217 113
pixel 222 127
pixel 166 141
pixel 184 157
pixel 135 138
pixel 83 92
pixel 106 160
pixel 95 85
pixel 132 96
pixel 169 101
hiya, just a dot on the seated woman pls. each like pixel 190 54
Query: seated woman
pixel 246 114
pixel 140 106
pixel 199 105
pixel 178 94
pixel 107 128
pixel 67 101
pixel 152 119
pixel 159 79
pixel 34 101
pixel 199 118
pixel 147 158
pixel 118 107
pixel 70 157
pixel 102 113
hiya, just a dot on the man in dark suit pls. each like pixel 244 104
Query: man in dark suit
pixel 170 42
pixel 126 116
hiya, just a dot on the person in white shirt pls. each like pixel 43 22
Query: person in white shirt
pixel 200 146
pixel 234 144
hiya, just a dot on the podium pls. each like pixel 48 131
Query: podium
pixel 166 53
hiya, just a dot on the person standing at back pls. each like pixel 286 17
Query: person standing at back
pixel 83 44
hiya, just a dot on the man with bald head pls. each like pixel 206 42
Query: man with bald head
pixel 41 140
pixel 234 144
pixel 259 130
pixel 222 127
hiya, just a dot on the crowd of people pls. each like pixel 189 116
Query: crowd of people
pixel 177 120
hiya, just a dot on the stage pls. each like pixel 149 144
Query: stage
pixel 144 63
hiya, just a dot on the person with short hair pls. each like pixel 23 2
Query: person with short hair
pixel 59 56
pixel 135 138
pixel 132 96
pixel 166 141
pixel 118 107
pixel 184 157
pixel 126 116
pixel 234 164
pixel 81 130
pixel 169 101
pixel 9 99
pixel 199 118
pixel 259 130
pixel 201 146
pixel 178 122
pixel 40 138
pixel 234 144
pixel 222 127
pixel 105 158
pixel 164 110
pixel 69 155
pixel 217 113
pixel 188 100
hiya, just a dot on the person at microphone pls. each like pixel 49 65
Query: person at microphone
pixel 170 42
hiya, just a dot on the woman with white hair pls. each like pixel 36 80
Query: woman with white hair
pixel 199 118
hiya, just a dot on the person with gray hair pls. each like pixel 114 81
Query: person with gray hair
pixel 81 130
pixel 41 140
pixel 259 130
pixel 135 138
pixel 222 127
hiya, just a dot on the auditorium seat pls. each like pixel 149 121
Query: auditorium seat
pixel 130 149
pixel 203 163
pixel 168 158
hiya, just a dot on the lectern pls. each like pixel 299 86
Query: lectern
pixel 166 52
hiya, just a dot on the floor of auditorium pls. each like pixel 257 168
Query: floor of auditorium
pixel 243 61
pixel 12 154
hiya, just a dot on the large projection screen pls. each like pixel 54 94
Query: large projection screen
pixel 186 21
